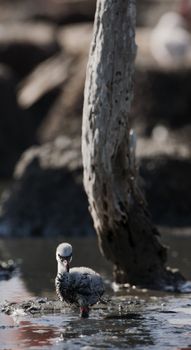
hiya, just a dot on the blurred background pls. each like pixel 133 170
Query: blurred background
pixel 44 48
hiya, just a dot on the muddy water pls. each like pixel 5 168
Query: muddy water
pixel 130 320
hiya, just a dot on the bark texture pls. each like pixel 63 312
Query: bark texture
pixel 119 211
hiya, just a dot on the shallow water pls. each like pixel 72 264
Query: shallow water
pixel 130 320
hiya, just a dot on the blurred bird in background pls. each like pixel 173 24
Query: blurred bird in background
pixel 170 42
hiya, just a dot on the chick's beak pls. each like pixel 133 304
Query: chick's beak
pixel 66 264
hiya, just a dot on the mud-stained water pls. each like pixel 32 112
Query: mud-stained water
pixel 130 320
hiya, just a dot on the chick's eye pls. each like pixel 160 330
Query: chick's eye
pixel 61 257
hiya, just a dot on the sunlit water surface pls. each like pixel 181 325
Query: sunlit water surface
pixel 131 319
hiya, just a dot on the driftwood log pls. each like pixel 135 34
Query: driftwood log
pixel 48 75
pixel 125 231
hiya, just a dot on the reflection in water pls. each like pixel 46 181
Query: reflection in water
pixel 72 332
pixel 180 248
pixel 36 335
pixel 139 321
pixel 39 265
pixel 24 334
pixel 13 290
pixel 120 333
pixel 145 323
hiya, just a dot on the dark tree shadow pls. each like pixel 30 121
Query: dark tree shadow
pixel 167 187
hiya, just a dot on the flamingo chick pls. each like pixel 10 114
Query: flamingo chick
pixel 80 286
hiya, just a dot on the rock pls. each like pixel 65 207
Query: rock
pixel 47 198
pixel 108 310
pixel 32 307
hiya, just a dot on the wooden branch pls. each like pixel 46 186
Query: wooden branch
pixel 119 211
pixel 47 76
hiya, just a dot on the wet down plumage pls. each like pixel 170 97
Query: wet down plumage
pixel 80 286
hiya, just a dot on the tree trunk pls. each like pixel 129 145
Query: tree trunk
pixel 119 211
